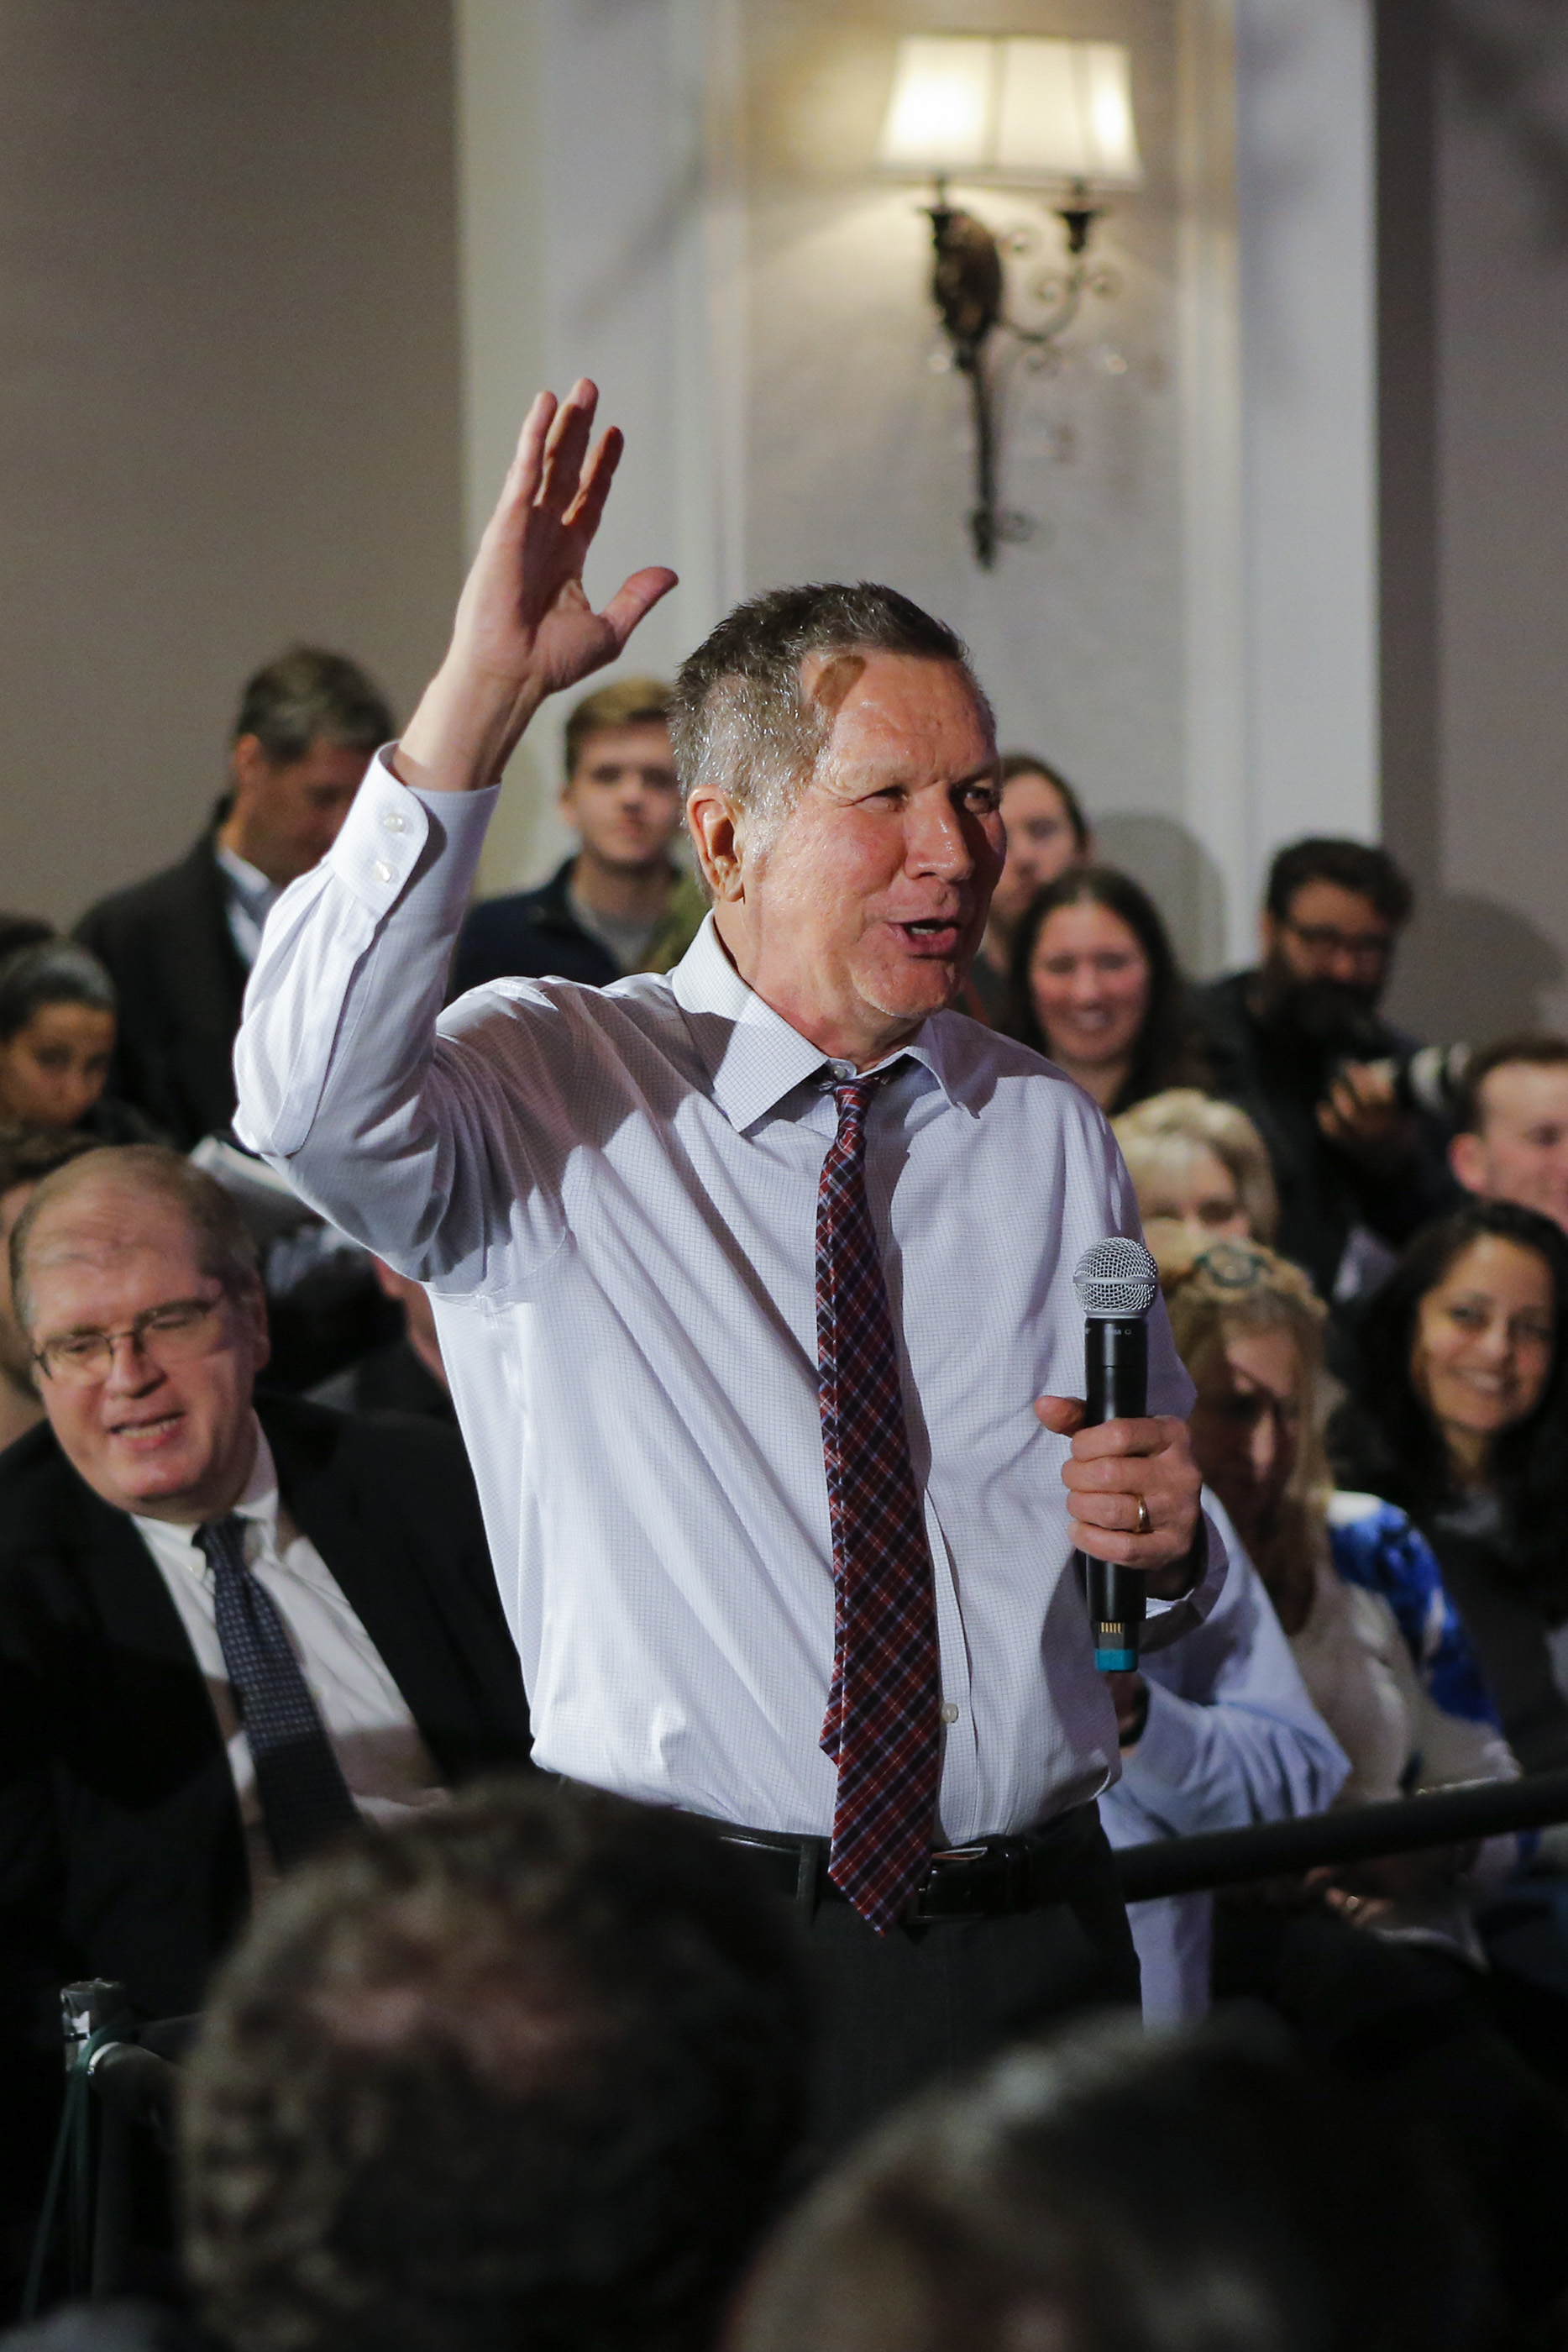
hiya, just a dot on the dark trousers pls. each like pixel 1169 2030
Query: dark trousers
pixel 896 2011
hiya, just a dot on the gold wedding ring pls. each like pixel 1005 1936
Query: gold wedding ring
pixel 1145 1524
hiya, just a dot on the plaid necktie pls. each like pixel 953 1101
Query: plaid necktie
pixel 882 1723
pixel 305 1800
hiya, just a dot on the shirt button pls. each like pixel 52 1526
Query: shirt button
pixel 395 821
pixel 382 870
pixel 949 1712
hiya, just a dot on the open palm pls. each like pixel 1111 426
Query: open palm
pixel 525 628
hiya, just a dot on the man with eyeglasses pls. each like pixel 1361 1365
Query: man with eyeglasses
pixel 229 1629
pixel 1299 1042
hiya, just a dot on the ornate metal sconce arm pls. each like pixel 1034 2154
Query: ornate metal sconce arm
pixel 968 286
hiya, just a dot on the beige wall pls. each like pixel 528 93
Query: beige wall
pixel 229 405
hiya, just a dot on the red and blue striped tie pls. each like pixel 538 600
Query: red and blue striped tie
pixel 883 1718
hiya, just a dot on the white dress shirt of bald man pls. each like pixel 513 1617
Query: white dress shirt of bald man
pixel 132 1833
pixel 612 1194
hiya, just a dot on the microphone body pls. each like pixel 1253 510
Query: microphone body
pixel 1117 1282
pixel 1115 1388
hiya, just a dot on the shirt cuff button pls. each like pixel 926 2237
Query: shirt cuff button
pixel 382 870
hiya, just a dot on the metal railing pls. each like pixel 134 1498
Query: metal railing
pixel 1483 1809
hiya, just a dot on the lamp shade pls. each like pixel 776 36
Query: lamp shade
pixel 1017 110
pixel 942 108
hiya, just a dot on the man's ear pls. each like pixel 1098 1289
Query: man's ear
pixel 249 767
pixel 1468 1159
pixel 1268 933
pixel 715 835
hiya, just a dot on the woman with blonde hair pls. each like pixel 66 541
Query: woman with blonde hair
pixel 1357 1590
pixel 1200 1163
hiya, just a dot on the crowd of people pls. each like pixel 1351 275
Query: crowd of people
pixel 521 2062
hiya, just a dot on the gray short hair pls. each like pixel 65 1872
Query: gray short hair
pixel 739 723
pixel 224 1249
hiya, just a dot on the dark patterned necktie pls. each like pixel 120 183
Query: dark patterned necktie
pixel 305 1800
pixel 883 1724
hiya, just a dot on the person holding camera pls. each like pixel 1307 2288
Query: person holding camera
pixel 1299 1042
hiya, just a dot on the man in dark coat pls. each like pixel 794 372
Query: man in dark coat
pixel 179 946
pixel 228 1629
pixel 1298 1042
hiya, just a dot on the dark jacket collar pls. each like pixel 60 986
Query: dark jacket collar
pixel 126 1594
pixel 550 904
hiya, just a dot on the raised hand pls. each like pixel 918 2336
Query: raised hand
pixel 525 628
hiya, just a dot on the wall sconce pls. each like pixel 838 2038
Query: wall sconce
pixel 1013 112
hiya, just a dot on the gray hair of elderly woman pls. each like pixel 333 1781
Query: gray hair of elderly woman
pixel 225 1252
pixel 1115 2192
pixel 738 721
pixel 1167 1128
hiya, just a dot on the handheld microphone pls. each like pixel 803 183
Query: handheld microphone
pixel 1117 1282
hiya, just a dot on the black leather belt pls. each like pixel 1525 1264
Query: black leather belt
pixel 993 1878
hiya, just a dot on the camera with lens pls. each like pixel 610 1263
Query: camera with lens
pixel 1429 1078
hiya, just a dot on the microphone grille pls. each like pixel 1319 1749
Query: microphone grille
pixel 1116 1279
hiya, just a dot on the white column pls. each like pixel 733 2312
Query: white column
pixel 1306 209
pixel 1214 635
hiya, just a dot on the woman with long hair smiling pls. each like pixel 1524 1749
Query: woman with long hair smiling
pixel 1096 987
pixel 1459 1413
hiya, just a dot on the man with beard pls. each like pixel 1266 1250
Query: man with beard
pixel 1299 1044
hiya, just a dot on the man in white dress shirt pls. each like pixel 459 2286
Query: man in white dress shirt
pixel 727 1269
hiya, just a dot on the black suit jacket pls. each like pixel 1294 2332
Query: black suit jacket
pixel 1324 1191
pixel 181 984
pixel 529 935
pixel 121 1852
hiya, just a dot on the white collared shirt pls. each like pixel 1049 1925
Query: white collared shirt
pixel 385 1762
pixel 611 1196
pixel 249 900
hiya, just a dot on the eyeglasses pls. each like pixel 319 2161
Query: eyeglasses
pixel 173 1333
pixel 1326 939
pixel 1233 1265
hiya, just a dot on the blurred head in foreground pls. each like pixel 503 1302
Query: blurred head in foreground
pixel 1117 2193
pixel 522 2073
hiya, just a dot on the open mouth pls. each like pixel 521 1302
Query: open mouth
pixel 936 935
pixel 147 1436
